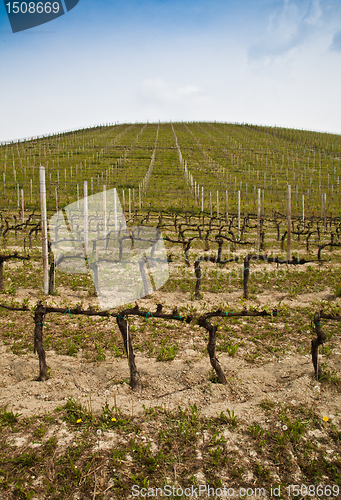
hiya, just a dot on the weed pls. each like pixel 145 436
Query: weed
pixel 108 416
pixel 213 377
pixel 330 375
pixel 40 431
pixel 8 417
pixel 256 430
pixel 26 459
pixel 230 419
pixel 76 413
pixel 100 356
pixel 50 445
pixel 266 404
pixel 72 349
pixel 167 351
pixel 294 429
pixel 228 347
pixel 145 458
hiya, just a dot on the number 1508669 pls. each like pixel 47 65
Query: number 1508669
pixel 32 7
pixel 295 490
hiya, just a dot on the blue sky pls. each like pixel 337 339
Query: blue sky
pixel 261 61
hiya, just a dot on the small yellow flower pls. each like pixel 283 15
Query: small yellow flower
pixel 113 419
pixel 79 421
pixel 87 335
pixel 325 419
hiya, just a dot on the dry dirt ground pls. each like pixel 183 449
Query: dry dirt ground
pixel 281 379
pixel 180 380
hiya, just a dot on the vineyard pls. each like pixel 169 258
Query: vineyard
pixel 229 374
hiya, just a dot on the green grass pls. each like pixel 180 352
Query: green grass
pixel 8 417
pixel 168 440
pixel 167 351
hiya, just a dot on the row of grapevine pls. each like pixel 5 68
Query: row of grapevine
pixel 122 318
pixel 222 161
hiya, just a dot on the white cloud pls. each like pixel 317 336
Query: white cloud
pixel 336 42
pixel 290 26
pixel 159 89
pixel 283 24
pixel 188 89
pixel 314 13
pixel 161 98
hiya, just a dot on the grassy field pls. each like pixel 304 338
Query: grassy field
pixel 83 433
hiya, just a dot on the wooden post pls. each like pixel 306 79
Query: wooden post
pixel 86 218
pixel 258 221
pixel 303 210
pixel 44 228
pixel 289 222
pixel 105 217
pixel 129 204
pixel 31 189
pixel 22 206
pixel 115 208
pixel 211 203
pixel 239 215
pixel 1 275
pixel 321 206
pixel 324 211
pixel 217 204
pixel 202 198
pixel 226 206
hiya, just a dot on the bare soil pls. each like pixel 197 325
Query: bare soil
pixel 286 379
